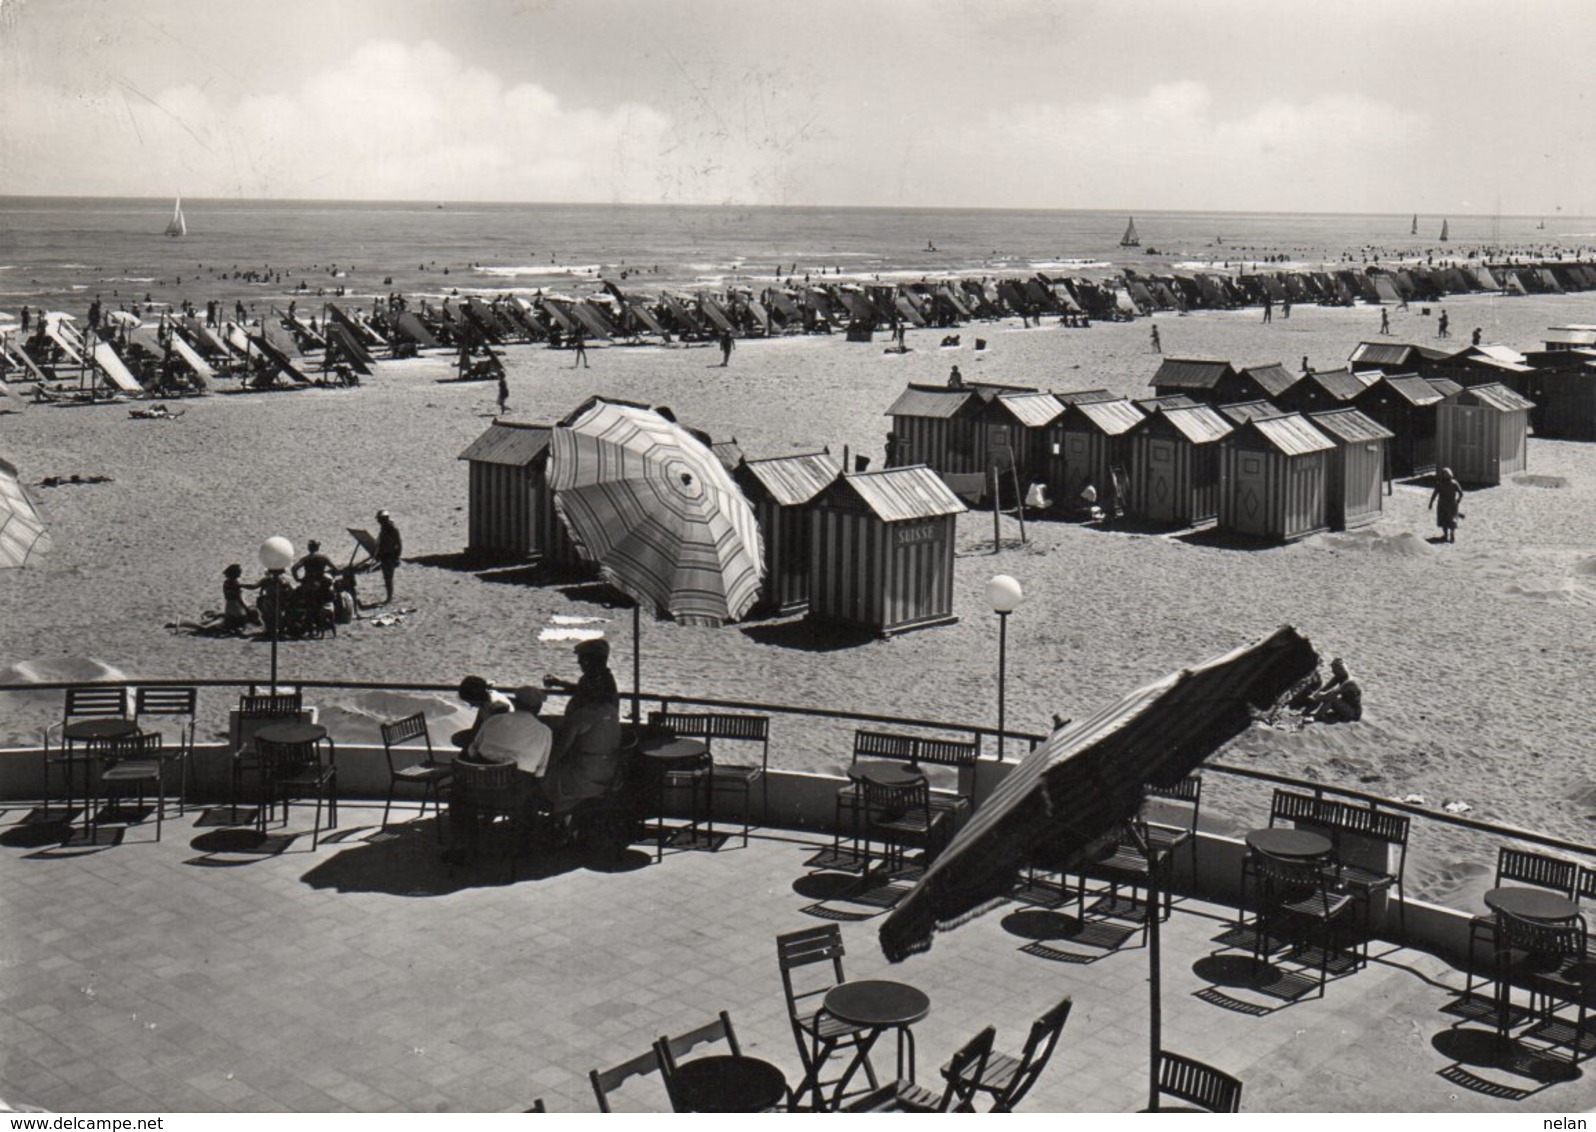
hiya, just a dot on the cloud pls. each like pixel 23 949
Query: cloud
pixel 394 121
pixel 1173 146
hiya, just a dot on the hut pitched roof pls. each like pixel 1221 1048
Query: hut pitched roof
pixel 1112 418
pixel 1495 396
pixel 1393 354
pixel 1085 396
pixel 728 452
pixel 1199 424
pixel 1191 373
pixel 1167 401
pixel 512 443
pixel 896 495
pixel 1290 435
pixel 1274 379
pixel 1350 425
pixel 1033 410
pixel 1561 337
pixel 1414 389
pixel 791 481
pixel 924 401
pixel 1243 411
pixel 1444 385
pixel 1341 384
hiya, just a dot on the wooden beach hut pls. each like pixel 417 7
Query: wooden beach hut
pixel 1563 388
pixel 1482 433
pixel 1355 491
pixel 1174 470
pixel 1319 391
pixel 1273 475
pixel 781 491
pixel 1241 412
pixel 510 506
pixel 939 427
pixel 1405 404
pixel 1211 382
pixel 1019 421
pixel 881 551
pixel 1089 440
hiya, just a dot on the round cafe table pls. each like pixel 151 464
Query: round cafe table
pixel 681 756
pixel 878 1005
pixel 1531 904
pixel 887 774
pixel 292 732
pixel 1290 844
pixel 729 1083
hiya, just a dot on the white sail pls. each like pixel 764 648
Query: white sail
pixel 1130 239
pixel 1444 235
pixel 1415 229
pixel 177 226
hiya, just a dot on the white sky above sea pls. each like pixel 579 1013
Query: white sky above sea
pixel 1391 106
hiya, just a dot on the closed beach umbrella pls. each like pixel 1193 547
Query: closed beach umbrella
pixel 654 508
pixel 22 532
pixel 1073 792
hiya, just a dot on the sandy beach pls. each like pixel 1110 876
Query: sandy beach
pixel 1476 659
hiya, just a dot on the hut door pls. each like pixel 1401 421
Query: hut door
pixel 1251 493
pixel 1469 432
pixel 1159 490
pixel 1077 464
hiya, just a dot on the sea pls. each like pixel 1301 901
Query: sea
pixel 60 253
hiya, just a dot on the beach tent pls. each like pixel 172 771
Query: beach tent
pixel 1174 465
pixel 277 361
pixel 510 506
pixel 1482 433
pixel 198 366
pixel 284 341
pixel 881 551
pixel 108 362
pixel 410 326
pixel 1088 442
pixel 1405 405
pixel 1355 494
pixel 1384 289
pixel 781 491
pixel 1273 476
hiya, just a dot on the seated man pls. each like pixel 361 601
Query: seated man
pixel 1340 700
pixel 476 692
pixel 517 737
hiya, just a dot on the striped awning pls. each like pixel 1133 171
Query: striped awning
pixel 1073 791
pixel 22 531
pixel 654 508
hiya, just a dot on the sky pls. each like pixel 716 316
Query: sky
pixel 1431 106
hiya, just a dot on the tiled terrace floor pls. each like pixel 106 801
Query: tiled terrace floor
pixel 367 975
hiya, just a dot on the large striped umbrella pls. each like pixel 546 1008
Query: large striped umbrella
pixel 652 506
pixel 21 529
pixel 1073 791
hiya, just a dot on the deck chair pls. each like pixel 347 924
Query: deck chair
pixel 606 1081
pixel 257 710
pixel 668 1049
pixel 963 1070
pixel 1197 1084
pixel 131 761
pixel 1006 1079
pixel 180 704
pixel 817 1033
pixel 82 702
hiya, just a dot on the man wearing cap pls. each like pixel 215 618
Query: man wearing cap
pixel 389 547
pixel 587 750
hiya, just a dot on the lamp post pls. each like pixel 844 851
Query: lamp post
pixel 276 554
pixel 1004 594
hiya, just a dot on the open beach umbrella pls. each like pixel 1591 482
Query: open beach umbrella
pixel 649 502
pixel 1067 797
pixel 22 531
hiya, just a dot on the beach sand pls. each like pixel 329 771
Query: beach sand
pixel 1476 659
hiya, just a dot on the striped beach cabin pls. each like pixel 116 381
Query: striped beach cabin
pixel 1174 469
pixel 1482 433
pixel 940 428
pixel 1088 440
pixel 1204 379
pixel 1273 475
pixel 781 491
pixel 1019 421
pixel 881 551
pixel 1355 495
pixel 1405 404
pixel 1563 388
pixel 510 507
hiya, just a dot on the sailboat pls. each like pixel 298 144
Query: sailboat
pixel 1130 239
pixel 1415 229
pixel 1542 225
pixel 1444 236
pixel 177 226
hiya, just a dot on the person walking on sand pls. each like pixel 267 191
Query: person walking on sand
pixel 1441 330
pixel 579 344
pixel 389 547
pixel 1269 309
pixel 1475 337
pixel 1450 494
pixel 504 393
pixel 1158 347
pixel 727 344
pixel 1385 321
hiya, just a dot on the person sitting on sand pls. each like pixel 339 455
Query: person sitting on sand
pixel 1340 700
pixel 346 597
pixel 236 615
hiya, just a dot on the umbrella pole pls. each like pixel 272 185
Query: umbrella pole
pixel 637 663
pixel 1155 991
